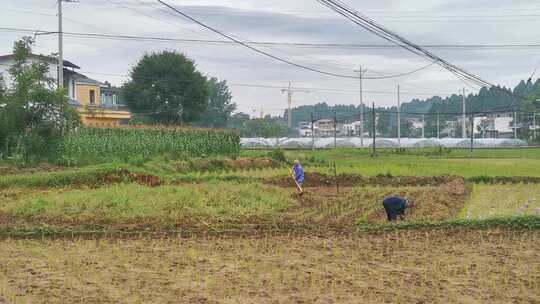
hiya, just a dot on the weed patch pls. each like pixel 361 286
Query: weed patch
pixel 133 206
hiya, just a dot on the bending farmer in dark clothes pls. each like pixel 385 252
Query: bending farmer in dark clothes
pixel 394 206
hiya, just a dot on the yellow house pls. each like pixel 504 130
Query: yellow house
pixel 97 102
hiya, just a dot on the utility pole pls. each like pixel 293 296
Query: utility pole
pixel 335 130
pixel 60 47
pixel 534 125
pixel 398 117
pixel 515 125
pixel 472 132
pixel 423 125
pixel 61 44
pixel 360 76
pixel 374 130
pixel 289 102
pixel 483 125
pixel 312 132
pixel 464 124
pixel 438 127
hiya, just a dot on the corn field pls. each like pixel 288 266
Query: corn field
pixel 138 142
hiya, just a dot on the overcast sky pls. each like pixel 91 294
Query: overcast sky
pixel 448 22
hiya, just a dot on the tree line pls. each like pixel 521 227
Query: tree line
pixel 523 98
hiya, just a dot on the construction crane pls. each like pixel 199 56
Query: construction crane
pixel 290 91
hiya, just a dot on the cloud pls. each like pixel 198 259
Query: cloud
pixel 424 22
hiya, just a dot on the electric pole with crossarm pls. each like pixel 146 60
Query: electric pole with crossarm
pixel 61 44
pixel 361 73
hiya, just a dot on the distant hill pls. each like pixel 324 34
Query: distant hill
pixel 492 99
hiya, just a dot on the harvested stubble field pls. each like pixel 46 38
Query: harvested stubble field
pixel 218 205
pixel 234 231
pixel 493 266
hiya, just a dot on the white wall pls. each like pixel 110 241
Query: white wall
pixel 502 124
pixel 4 67
pixel 5 64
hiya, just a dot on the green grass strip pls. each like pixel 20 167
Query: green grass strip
pixel 516 222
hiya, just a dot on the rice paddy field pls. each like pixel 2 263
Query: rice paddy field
pixel 235 230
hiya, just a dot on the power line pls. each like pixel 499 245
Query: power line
pixel 333 90
pixel 534 72
pixel 261 51
pixel 253 48
pixel 271 86
pixel 270 43
pixel 277 87
pixel 143 38
pixel 373 27
pixel 175 15
pixel 407 14
pixel 402 74
pixel 151 16
pixel 388 35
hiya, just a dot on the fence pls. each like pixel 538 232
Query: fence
pixel 381 128
pixel 350 142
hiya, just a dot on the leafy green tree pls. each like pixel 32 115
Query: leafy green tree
pixel 263 128
pixel 274 129
pixel 238 120
pixel 258 127
pixel 530 106
pixel 323 110
pixel 4 132
pixel 167 88
pixel 406 129
pixel 33 112
pixel 220 106
pixel 387 122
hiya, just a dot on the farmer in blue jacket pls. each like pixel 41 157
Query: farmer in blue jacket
pixel 298 175
pixel 396 205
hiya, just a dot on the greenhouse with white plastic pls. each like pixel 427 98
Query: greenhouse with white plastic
pixel 355 142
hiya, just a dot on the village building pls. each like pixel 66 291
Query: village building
pixel 98 103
